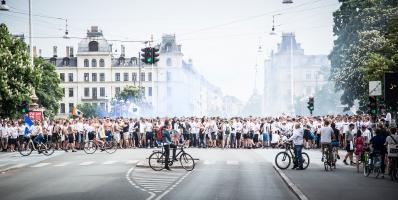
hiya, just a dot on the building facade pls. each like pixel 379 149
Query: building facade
pixel 292 76
pixel 172 87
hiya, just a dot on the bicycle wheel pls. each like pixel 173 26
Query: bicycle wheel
pixel 306 160
pixel 156 161
pixel 89 147
pixel 377 172
pixel 49 149
pixel 366 169
pixel 41 148
pixel 110 147
pixel 26 148
pixel 282 160
pixel 187 162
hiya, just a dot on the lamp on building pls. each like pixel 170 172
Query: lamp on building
pixel 66 36
pixel 4 6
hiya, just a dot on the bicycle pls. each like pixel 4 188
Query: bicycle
pixel 27 146
pixel 328 158
pixel 91 146
pixel 287 155
pixel 157 159
pixel 372 164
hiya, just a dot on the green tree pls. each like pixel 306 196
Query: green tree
pixel 365 48
pixel 15 73
pixel 131 93
pixel 89 110
pixel 47 86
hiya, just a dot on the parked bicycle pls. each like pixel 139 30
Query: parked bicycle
pixel 284 158
pixel 27 146
pixel 91 146
pixel 157 159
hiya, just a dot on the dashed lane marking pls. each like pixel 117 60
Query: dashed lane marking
pixel 232 162
pixel 62 164
pixel 40 165
pixel 86 163
pixel 110 162
pixel 209 162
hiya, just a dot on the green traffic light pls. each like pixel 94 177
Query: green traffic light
pixel 149 60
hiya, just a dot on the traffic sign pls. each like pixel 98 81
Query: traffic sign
pixel 374 88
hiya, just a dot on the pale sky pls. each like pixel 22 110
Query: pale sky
pixel 222 37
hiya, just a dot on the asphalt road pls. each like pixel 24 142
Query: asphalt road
pixel 220 174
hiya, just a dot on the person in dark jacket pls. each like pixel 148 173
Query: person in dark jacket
pixel 166 140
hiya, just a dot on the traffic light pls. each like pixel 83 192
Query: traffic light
pixel 147 55
pixel 311 104
pixel 372 105
pixel 155 55
pixel 24 107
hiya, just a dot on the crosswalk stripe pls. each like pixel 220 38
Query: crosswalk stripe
pixel 87 163
pixel 109 162
pixel 232 162
pixel 131 161
pixel 41 165
pixel 156 181
pixel 15 166
pixel 62 164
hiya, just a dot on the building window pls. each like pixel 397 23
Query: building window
pixel 168 62
pixel 102 77
pixel 70 91
pixel 149 76
pixel 65 61
pixel 53 61
pixel 168 76
pixel 117 90
pixel 102 92
pixel 62 77
pixel 150 91
pixel 143 90
pixel 93 46
pixel 70 77
pixel 94 92
pixel 93 63
pixel 126 76
pixel 142 77
pixel 308 76
pixel 85 62
pixel 86 78
pixel 134 77
pixel 62 108
pixel 71 106
pixel 63 92
pixel 102 63
pixel 117 77
pixel 86 92
pixel 94 77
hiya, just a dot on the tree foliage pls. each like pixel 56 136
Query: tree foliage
pixel 47 86
pixel 131 93
pixel 15 73
pixel 89 110
pixel 365 48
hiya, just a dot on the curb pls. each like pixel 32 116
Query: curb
pixel 299 194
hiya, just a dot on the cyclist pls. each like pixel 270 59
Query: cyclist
pixel 166 139
pixel 335 139
pixel 377 145
pixel 326 138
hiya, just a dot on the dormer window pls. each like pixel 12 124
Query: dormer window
pixel 121 61
pixel 102 63
pixel 65 62
pixel 53 61
pixel 93 46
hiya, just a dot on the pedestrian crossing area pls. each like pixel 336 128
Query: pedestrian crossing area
pixel 9 166
pixel 156 181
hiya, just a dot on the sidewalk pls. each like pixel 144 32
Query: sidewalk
pixel 341 183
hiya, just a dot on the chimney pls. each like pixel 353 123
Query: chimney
pixel 55 51
pixel 123 51
pixel 71 51
pixel 39 52
pixel 67 51
pixel 34 51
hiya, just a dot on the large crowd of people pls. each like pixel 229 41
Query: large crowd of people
pixel 350 133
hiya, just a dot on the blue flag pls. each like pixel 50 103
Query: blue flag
pixel 27 120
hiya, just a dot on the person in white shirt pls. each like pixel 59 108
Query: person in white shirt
pixel 326 138
pixel 13 136
pixel 366 134
pixel 297 138
pixel 275 139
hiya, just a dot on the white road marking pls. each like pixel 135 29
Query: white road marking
pixel 131 161
pixel 14 167
pixel 41 165
pixel 86 163
pixel 110 162
pixel 232 162
pixel 62 164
